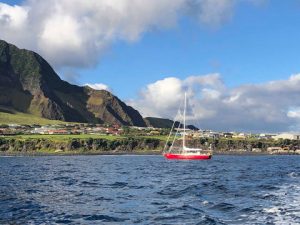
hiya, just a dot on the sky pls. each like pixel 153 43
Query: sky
pixel 238 60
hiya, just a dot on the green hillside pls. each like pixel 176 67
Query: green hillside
pixel 159 122
pixel 164 123
pixel 28 84
pixel 24 118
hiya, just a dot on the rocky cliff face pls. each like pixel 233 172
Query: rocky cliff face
pixel 29 84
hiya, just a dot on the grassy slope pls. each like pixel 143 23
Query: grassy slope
pixel 23 118
pixel 159 122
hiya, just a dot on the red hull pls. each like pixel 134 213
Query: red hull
pixel 186 157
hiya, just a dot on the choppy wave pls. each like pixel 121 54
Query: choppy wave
pixel 149 190
pixel 286 210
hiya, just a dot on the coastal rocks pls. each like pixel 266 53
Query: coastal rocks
pixel 75 144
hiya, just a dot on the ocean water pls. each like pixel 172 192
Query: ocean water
pixel 149 190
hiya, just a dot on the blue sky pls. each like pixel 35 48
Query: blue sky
pixel 237 59
pixel 257 45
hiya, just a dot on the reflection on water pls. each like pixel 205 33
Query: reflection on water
pixel 150 190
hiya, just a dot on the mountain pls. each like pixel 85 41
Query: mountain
pixel 165 123
pixel 28 84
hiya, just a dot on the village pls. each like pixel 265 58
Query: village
pixel 117 130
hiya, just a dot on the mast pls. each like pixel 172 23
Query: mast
pixel 184 112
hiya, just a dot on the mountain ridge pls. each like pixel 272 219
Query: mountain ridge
pixel 165 123
pixel 30 85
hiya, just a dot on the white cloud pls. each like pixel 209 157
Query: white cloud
pixel 163 97
pixel 74 33
pixel 272 106
pixel 210 93
pixel 99 86
pixel 13 16
pixel 294 113
pixel 160 98
pixel 215 12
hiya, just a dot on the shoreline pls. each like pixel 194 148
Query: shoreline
pixel 37 145
pixel 136 153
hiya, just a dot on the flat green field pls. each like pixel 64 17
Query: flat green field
pixel 160 137
pixel 61 137
pixel 67 137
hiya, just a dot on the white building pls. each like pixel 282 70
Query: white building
pixel 290 136
pixel 267 136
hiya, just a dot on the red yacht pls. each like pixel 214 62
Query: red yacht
pixel 182 152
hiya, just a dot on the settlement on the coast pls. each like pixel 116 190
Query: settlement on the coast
pixel 99 138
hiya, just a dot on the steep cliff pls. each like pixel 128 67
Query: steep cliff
pixel 29 84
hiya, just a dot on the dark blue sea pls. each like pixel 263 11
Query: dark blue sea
pixel 149 190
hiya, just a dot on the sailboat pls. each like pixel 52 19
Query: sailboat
pixel 183 152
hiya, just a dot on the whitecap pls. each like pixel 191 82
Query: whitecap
pixel 272 210
pixel 286 209
pixel 293 174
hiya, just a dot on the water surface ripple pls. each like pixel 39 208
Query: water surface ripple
pixel 149 190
